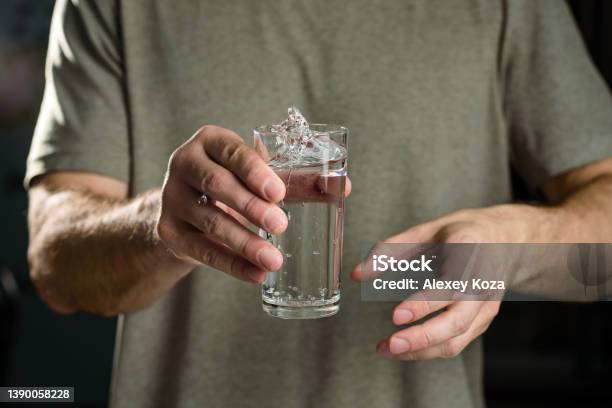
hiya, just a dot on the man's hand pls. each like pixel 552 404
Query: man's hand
pixel 442 336
pixel 74 216
pixel 460 322
pixel 582 214
pixel 239 186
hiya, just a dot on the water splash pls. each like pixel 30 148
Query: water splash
pixel 300 145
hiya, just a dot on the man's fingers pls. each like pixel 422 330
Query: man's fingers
pixel 453 346
pixel 449 349
pixel 417 308
pixel 192 245
pixel 453 322
pixel 229 150
pixel 348 187
pixel 220 184
pixel 234 214
pixel 220 227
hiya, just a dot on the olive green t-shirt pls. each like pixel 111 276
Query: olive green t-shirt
pixel 441 97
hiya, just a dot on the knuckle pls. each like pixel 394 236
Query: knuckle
pixel 243 246
pixel 234 152
pixel 499 211
pixel 205 131
pixel 427 339
pixel 460 324
pixel 211 224
pixel 409 356
pixel 461 237
pixel 236 267
pixel 208 256
pixel 451 349
pixel 463 213
pixel 423 308
pixel 245 158
pixel 250 160
pixel 213 181
pixel 250 205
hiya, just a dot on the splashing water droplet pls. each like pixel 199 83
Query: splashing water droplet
pixel 299 145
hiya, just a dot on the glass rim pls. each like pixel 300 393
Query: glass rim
pixel 333 129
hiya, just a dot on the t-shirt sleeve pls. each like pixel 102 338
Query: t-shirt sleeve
pixel 82 124
pixel 559 109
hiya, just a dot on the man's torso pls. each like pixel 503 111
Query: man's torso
pixel 417 84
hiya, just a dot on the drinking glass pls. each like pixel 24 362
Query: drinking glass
pixel 307 286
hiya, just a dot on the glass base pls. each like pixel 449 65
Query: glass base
pixel 302 312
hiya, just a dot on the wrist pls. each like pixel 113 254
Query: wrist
pixel 536 224
pixel 548 224
pixel 150 204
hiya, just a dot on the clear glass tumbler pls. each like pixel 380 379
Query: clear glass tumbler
pixel 308 284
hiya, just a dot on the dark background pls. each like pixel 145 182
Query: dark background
pixel 537 354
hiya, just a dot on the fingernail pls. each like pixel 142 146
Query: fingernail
pixel 398 345
pixel 383 349
pixel 402 316
pixel 273 189
pixel 270 259
pixel 256 275
pixel 275 220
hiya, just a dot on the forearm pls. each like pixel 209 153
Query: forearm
pixel 584 215
pixel 99 255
